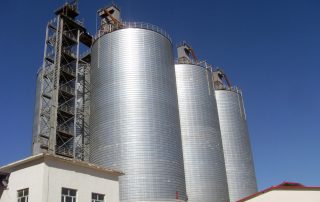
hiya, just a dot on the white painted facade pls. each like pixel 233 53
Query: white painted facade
pixel 288 196
pixel 45 176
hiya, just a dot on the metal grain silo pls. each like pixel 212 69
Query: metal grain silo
pixel 134 123
pixel 235 139
pixel 201 139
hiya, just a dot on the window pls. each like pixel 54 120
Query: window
pixel 97 197
pixel 23 195
pixel 68 195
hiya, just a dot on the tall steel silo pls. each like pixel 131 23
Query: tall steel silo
pixel 235 138
pixel 205 173
pixel 134 123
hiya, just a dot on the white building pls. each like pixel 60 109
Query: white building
pixel 286 192
pixel 50 178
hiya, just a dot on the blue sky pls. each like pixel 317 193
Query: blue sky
pixel 268 48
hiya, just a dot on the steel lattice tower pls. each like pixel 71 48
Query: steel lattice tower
pixel 62 97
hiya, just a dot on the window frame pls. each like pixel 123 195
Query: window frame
pixel 97 199
pixel 69 194
pixel 24 197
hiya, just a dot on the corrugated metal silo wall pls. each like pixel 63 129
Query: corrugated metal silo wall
pixel 134 123
pixel 36 116
pixel 236 145
pixel 201 139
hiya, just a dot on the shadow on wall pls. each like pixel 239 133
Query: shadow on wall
pixel 4 179
pixel 73 168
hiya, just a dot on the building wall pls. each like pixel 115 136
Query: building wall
pixel 288 196
pixel 45 181
pixel 31 176
pixel 83 180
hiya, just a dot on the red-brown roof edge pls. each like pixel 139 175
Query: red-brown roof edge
pixel 282 186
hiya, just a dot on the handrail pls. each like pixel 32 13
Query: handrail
pixel 211 68
pixel 65 129
pixel 67 109
pixel 68 70
pixel 67 89
pixel 64 150
pixel 235 89
pixel 141 25
pixel 203 64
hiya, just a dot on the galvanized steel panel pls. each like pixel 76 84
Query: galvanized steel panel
pixel 201 139
pixel 134 123
pixel 36 116
pixel 236 144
